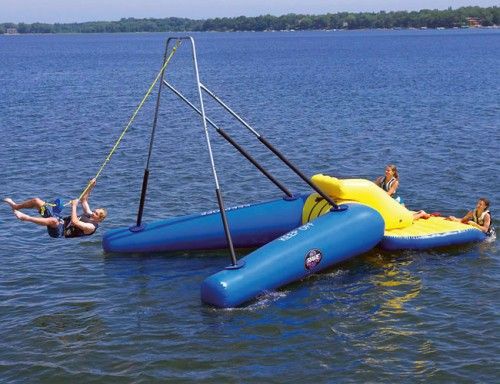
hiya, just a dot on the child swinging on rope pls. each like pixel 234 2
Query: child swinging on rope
pixel 57 226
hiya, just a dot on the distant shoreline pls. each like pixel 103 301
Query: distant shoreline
pixel 464 17
pixel 267 31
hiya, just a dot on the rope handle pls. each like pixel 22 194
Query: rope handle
pixel 177 44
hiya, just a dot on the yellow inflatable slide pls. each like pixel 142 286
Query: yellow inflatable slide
pixel 401 231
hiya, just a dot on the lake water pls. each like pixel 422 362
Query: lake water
pixel 340 103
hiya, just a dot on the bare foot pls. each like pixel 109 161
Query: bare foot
pixel 21 216
pixel 9 201
pixel 421 215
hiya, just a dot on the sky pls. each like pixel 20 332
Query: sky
pixel 68 11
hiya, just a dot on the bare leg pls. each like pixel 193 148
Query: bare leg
pixel 35 203
pixel 9 201
pixel 421 215
pixel 47 222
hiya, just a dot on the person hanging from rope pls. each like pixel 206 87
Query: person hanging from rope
pixel 87 223
pixel 71 226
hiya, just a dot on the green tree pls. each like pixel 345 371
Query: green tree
pixel 400 19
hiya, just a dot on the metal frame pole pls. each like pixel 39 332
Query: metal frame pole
pixel 263 140
pixel 139 226
pixel 228 138
pixel 234 262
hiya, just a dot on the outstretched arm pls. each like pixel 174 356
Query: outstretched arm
pixel 85 198
pixel 464 219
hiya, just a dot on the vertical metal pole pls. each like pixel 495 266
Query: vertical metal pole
pixel 139 226
pixel 212 162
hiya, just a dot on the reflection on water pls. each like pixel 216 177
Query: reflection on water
pixel 398 286
pixel 401 285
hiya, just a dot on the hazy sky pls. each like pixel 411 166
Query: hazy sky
pixel 63 11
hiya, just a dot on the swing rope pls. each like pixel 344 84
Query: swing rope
pixel 177 44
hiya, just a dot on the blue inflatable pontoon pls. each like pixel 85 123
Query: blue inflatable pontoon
pixel 251 226
pixel 313 247
pixel 295 243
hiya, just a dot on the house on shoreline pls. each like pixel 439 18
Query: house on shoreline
pixel 474 22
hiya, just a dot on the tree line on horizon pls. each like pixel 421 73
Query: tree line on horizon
pixel 426 18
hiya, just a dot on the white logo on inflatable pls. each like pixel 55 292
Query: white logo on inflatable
pixel 291 234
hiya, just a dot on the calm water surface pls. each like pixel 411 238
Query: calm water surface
pixel 341 103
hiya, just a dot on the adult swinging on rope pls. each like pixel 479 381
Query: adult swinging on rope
pixel 71 226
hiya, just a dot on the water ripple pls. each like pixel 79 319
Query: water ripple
pixel 347 104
